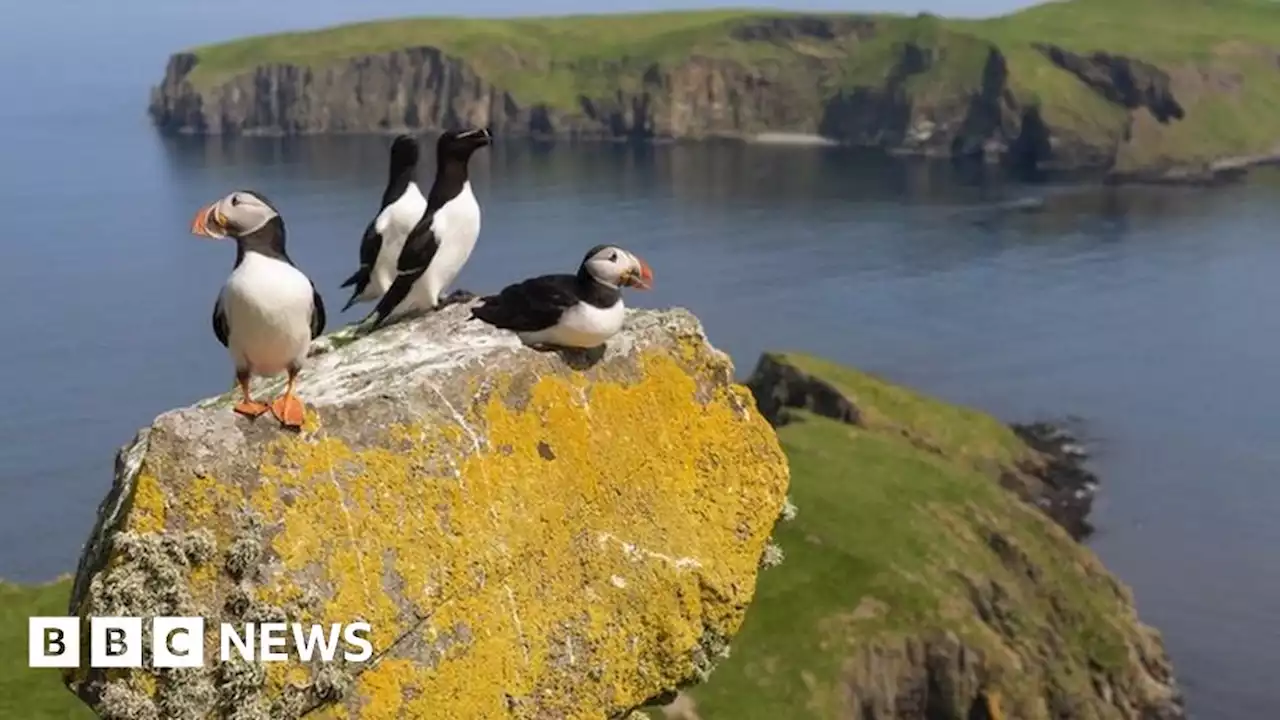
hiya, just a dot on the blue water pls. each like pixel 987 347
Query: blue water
pixel 1148 313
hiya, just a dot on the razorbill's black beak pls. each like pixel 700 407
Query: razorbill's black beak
pixel 479 136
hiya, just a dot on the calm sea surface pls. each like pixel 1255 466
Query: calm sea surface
pixel 1148 313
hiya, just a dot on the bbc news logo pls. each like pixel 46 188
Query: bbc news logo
pixel 117 642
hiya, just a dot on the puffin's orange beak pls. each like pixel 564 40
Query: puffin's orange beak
pixel 642 280
pixel 209 223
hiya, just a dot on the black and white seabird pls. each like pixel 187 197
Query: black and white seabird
pixel 268 311
pixel 401 209
pixel 575 311
pixel 439 245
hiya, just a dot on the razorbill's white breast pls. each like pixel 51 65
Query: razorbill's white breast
pixel 401 209
pixel 439 245
pixel 268 311
pixel 578 311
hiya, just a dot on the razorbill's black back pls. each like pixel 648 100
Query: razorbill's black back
pixel 401 209
pixel 439 245
pixel 579 311
pixel 268 311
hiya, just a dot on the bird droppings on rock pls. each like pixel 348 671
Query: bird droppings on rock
pixel 451 488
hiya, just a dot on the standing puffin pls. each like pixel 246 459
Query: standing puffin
pixel 439 245
pixel 268 311
pixel 577 311
pixel 401 209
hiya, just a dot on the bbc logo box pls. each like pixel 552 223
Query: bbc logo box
pixel 115 642
pixel 118 642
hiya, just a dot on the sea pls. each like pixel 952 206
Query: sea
pixel 1147 316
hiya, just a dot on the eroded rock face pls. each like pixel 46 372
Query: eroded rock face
pixel 1127 81
pixel 529 535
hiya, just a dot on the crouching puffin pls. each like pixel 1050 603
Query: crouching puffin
pixel 268 311
pixel 573 311
pixel 442 240
pixel 401 209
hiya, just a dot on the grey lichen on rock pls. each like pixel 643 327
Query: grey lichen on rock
pixel 528 533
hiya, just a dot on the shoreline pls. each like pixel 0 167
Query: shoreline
pixel 1207 175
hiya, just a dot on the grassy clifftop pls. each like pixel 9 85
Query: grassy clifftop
pixel 1135 86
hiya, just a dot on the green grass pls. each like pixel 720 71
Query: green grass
pixel 956 432
pixel 32 693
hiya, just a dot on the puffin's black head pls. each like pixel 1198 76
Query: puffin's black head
pixel 241 213
pixel 615 267
pixel 460 144
pixel 404 152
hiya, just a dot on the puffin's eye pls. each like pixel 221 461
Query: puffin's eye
pixel 235 200
pixel 613 257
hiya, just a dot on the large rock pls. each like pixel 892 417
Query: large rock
pixel 529 534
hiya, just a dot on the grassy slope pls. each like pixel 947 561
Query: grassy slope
pixel 885 536
pixel 32 694
pixel 556 60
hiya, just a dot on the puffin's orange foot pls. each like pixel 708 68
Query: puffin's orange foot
pixel 289 411
pixel 250 408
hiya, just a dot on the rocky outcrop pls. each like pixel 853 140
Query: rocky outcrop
pixel 411 88
pixel 1123 80
pixel 1052 476
pixel 939 674
pixel 529 534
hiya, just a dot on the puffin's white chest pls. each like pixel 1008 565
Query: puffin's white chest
pixel 268 307
pixel 582 326
pixel 456 226
pixel 394 224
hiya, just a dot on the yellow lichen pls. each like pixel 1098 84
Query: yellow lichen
pixel 602 525
pixel 148 511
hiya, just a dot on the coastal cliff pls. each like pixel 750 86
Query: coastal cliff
pixel 915 586
pixel 528 534
pixel 1044 88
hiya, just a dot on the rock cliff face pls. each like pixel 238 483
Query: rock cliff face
pixel 529 535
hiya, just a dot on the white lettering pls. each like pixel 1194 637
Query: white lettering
pixel 306 643
pixel 272 635
pixel 243 645
pixel 350 635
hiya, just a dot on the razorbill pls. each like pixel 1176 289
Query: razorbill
pixel 441 242
pixel 402 207
pixel 577 311
pixel 268 311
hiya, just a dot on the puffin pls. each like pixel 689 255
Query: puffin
pixel 402 207
pixel 569 311
pixel 268 311
pixel 440 243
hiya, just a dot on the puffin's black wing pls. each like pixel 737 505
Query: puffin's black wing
pixel 531 305
pixel 220 327
pixel 317 313
pixel 419 248
pixel 370 245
